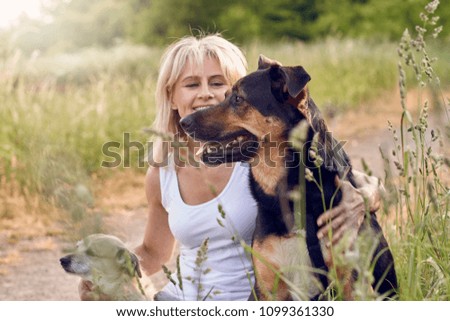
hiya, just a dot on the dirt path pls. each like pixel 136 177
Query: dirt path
pixel 35 273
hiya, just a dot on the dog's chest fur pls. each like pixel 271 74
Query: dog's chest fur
pixel 269 172
pixel 289 255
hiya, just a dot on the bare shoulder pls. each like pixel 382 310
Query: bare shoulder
pixel 152 185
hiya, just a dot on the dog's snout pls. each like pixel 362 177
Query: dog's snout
pixel 186 123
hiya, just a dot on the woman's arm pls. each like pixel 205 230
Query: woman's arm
pixel 347 217
pixel 158 244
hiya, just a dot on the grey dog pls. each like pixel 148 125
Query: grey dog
pixel 114 271
pixel 105 261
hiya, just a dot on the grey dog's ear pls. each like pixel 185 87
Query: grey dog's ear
pixel 129 262
pixel 135 261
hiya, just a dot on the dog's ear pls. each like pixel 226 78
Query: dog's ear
pixel 296 79
pixel 129 262
pixel 135 262
pixel 264 62
pixel 288 81
pixel 278 83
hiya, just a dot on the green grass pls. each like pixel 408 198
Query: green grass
pixel 418 185
pixel 53 126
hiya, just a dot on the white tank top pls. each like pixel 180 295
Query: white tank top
pixel 226 273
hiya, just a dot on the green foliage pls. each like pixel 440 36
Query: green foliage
pixel 80 23
pixel 238 20
pixel 161 21
pixel 274 20
pixel 356 18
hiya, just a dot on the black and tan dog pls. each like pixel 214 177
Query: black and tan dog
pixel 254 124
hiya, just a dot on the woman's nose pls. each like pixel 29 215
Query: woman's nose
pixel 205 93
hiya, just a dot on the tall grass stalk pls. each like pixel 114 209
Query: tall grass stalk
pixel 419 188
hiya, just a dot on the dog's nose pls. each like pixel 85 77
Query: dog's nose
pixel 65 261
pixel 186 123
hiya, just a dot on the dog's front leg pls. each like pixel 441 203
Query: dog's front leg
pixel 269 284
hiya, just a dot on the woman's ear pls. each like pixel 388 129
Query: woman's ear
pixel 169 92
pixel 173 106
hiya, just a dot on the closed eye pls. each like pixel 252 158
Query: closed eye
pixel 218 84
pixel 217 81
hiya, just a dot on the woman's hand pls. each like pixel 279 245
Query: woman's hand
pixel 347 217
pixel 88 292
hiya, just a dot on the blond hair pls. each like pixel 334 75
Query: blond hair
pixel 193 50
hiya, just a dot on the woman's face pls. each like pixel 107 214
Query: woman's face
pixel 199 86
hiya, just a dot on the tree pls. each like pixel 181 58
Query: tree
pixel 162 21
pixel 72 24
pixel 371 18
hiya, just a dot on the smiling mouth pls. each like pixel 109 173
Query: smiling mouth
pixel 201 107
pixel 239 147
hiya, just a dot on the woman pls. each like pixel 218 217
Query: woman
pixel 184 196
pixel 209 210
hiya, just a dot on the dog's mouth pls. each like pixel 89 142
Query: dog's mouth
pixel 241 146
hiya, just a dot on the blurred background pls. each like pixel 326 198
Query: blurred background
pixel 76 74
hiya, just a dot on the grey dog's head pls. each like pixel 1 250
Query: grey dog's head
pixel 103 260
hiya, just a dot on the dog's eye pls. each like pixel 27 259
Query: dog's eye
pixel 90 252
pixel 238 100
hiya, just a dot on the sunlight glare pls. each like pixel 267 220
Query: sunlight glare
pixel 10 11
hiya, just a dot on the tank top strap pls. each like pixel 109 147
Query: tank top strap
pixel 168 183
